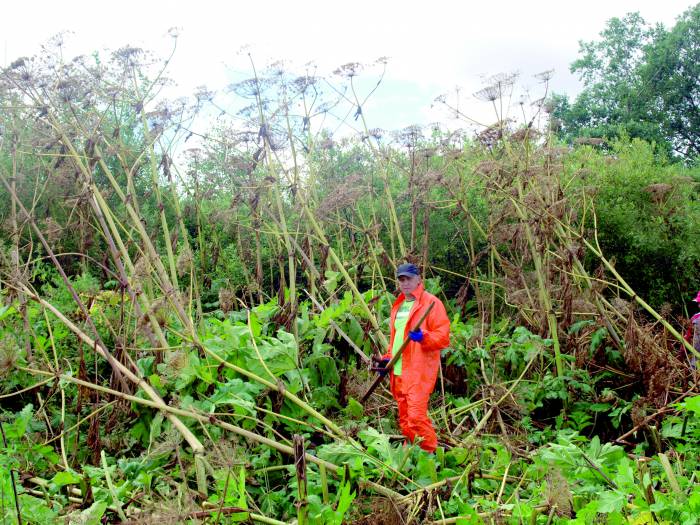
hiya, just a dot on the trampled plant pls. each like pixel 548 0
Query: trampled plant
pixel 188 341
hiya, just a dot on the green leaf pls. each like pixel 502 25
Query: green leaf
pixel 92 515
pixel 611 502
pixel 242 501
pixel 578 325
pixel 377 441
pixel 427 470
pixel 353 409
pixel 156 426
pixel 468 516
pixel 6 311
pixel 19 426
pixel 597 339
pixel 693 404
pixel 35 510
pixel 331 282
pixel 345 499
pixel 66 478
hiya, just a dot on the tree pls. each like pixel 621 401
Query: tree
pixel 609 104
pixel 671 75
pixel 639 81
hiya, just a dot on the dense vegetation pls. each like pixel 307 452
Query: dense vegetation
pixel 185 334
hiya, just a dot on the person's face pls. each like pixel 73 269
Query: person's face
pixel 407 284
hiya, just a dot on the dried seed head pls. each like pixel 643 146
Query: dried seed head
pixel 52 230
pixel 666 310
pixel 227 300
pixel 659 192
pixel 581 306
pixel 184 261
pixel 559 497
pixel 488 94
pixel 350 190
pixel 545 76
pixel 348 70
pixel 621 306
pixel 590 141
pixel 141 270
pixel 9 355
pixel 524 134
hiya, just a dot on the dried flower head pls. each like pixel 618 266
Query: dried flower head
pixel 590 141
pixel 659 192
pixel 184 261
pixel 545 76
pixel 559 497
pixel 349 192
pixel 488 94
pixel 496 87
pixel 348 70
pixel 52 230
pixel 9 355
pixel 227 299
pixel 141 271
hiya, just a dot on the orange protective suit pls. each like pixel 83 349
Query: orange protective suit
pixel 420 365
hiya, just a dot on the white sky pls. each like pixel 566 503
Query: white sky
pixel 433 46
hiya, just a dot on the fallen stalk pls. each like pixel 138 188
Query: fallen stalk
pixel 210 419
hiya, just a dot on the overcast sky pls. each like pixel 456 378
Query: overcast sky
pixel 433 45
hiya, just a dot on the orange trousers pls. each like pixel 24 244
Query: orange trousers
pixel 413 415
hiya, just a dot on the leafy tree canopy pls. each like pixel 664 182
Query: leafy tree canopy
pixel 641 81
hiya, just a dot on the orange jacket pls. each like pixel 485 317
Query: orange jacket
pixel 421 361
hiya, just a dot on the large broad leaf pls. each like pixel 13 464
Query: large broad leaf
pixel 426 470
pixel 693 404
pixel 340 453
pixel 19 426
pixel 242 500
pixel 378 445
pixel 6 310
pixel 239 394
pixel 278 355
pixel 36 510
pixel 323 370
pixel 194 369
pixel 226 339
pixel 468 516
pixel 90 516
pixel 66 478
pixel 610 501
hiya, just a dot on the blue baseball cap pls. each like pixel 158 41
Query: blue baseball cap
pixel 407 269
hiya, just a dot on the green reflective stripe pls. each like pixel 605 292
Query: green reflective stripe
pixel 399 328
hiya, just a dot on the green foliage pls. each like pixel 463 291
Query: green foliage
pixel 639 81
pixel 670 74
pixel 610 104
pixel 247 364
pixel 646 216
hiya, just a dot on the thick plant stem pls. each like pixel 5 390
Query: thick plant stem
pixel 159 200
pixel 291 261
pixel 110 486
pixel 348 280
pixel 14 254
pixel 187 434
pixel 300 467
pixel 641 302
pixel 385 176
pixel 545 300
pixel 209 419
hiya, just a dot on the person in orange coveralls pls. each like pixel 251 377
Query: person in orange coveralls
pixel 414 374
